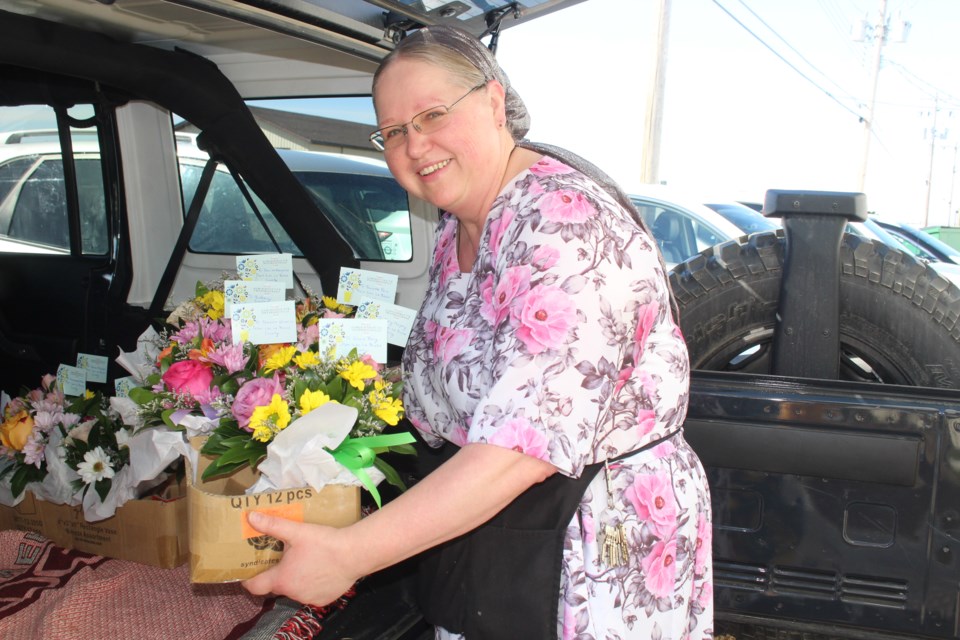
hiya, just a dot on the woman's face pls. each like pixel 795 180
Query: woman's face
pixel 456 167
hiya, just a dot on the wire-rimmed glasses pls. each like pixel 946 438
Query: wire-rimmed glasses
pixel 425 122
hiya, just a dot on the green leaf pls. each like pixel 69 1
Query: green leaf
pixel 389 473
pixel 25 475
pixel 103 488
pixel 141 395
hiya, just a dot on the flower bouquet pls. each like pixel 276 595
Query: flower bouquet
pixel 241 395
pixel 71 451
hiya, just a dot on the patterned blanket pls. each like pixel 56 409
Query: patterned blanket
pixel 47 591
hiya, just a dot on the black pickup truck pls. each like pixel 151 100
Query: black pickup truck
pixel 824 400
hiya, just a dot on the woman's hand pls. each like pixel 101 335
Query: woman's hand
pixel 314 568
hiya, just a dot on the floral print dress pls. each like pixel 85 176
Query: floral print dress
pixel 560 343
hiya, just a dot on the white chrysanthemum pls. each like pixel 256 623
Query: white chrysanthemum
pixel 95 466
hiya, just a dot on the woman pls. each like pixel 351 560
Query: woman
pixel 546 351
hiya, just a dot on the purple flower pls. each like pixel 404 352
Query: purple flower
pixel 256 393
pixel 228 356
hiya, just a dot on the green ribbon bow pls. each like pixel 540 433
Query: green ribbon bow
pixel 357 454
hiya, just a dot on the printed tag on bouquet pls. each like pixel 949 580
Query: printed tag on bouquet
pixel 247 291
pixel 357 285
pixel 122 386
pixel 264 322
pixel 71 380
pixel 268 266
pixel 95 366
pixel 343 334
pixel 399 319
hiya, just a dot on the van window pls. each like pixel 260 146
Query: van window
pixel 34 215
pixel 325 143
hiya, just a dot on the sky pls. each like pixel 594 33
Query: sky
pixel 758 94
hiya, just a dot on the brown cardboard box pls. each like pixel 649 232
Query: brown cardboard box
pixel 149 531
pixel 225 548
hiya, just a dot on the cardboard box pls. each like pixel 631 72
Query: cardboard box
pixel 149 531
pixel 225 548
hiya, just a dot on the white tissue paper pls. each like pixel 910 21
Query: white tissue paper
pixel 296 456
pixel 141 362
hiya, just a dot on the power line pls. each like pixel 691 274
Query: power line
pixel 791 47
pixel 787 62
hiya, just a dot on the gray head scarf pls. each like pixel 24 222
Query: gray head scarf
pixel 518 120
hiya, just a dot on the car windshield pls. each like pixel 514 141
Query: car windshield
pixel 744 217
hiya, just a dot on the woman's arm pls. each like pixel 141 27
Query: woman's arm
pixel 320 563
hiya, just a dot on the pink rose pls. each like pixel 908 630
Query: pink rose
pixel 704 545
pixel 497 228
pixel 548 167
pixel 652 499
pixel 545 257
pixel 510 290
pixel 546 318
pixel 566 207
pixel 660 568
pixel 188 376
pixel 450 342
pixel 646 319
pixel 518 434
pixel 646 421
pixel 255 393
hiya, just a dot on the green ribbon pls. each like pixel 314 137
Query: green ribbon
pixel 357 454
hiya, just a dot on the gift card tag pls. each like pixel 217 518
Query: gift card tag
pixel 268 266
pixel 264 322
pixel 247 291
pixel 95 366
pixel 344 334
pixel 360 284
pixel 71 380
pixel 399 319
pixel 122 386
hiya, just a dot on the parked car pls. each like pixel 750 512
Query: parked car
pixel 747 219
pixel 681 225
pixel 919 242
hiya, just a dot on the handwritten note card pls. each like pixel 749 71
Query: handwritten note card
pixel 122 386
pixel 357 285
pixel 344 334
pixel 399 319
pixel 71 380
pixel 269 266
pixel 264 322
pixel 95 366
pixel 246 291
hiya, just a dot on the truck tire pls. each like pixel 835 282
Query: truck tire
pixel 899 319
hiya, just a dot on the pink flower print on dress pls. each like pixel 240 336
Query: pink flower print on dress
pixel 652 498
pixel 646 319
pixel 566 207
pixel 547 166
pixel 497 228
pixel 544 257
pixel 646 421
pixel 704 542
pixel 545 319
pixel 518 434
pixel 508 293
pixel 450 342
pixel 660 568
pixel 706 593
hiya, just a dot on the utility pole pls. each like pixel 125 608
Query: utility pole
pixel 933 145
pixel 879 38
pixel 653 123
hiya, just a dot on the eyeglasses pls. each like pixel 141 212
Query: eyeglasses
pixel 425 122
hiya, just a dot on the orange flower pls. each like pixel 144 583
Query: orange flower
pixel 15 430
pixel 163 354
pixel 206 346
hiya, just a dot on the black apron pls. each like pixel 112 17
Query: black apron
pixel 501 581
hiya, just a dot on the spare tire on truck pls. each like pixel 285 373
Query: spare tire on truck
pixel 899 319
